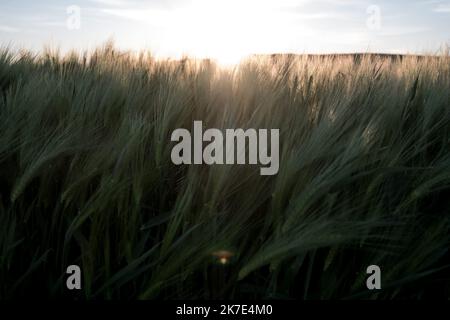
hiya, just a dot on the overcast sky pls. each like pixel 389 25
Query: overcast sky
pixel 229 27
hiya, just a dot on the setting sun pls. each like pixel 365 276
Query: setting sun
pixel 222 30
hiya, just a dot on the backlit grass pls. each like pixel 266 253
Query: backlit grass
pixel 86 177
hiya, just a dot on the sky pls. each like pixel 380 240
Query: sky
pixel 228 29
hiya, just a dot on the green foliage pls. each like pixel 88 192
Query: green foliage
pixel 86 177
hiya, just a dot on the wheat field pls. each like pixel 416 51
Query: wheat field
pixel 86 177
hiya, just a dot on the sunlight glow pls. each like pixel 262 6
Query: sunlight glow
pixel 224 30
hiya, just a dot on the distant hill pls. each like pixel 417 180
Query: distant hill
pixel 355 56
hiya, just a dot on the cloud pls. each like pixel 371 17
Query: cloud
pixel 111 2
pixel 401 31
pixel 442 8
pixel 10 29
pixel 51 24
pixel 319 15
pixel 152 16
pixel 430 2
pixel 439 6
pixel 163 16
